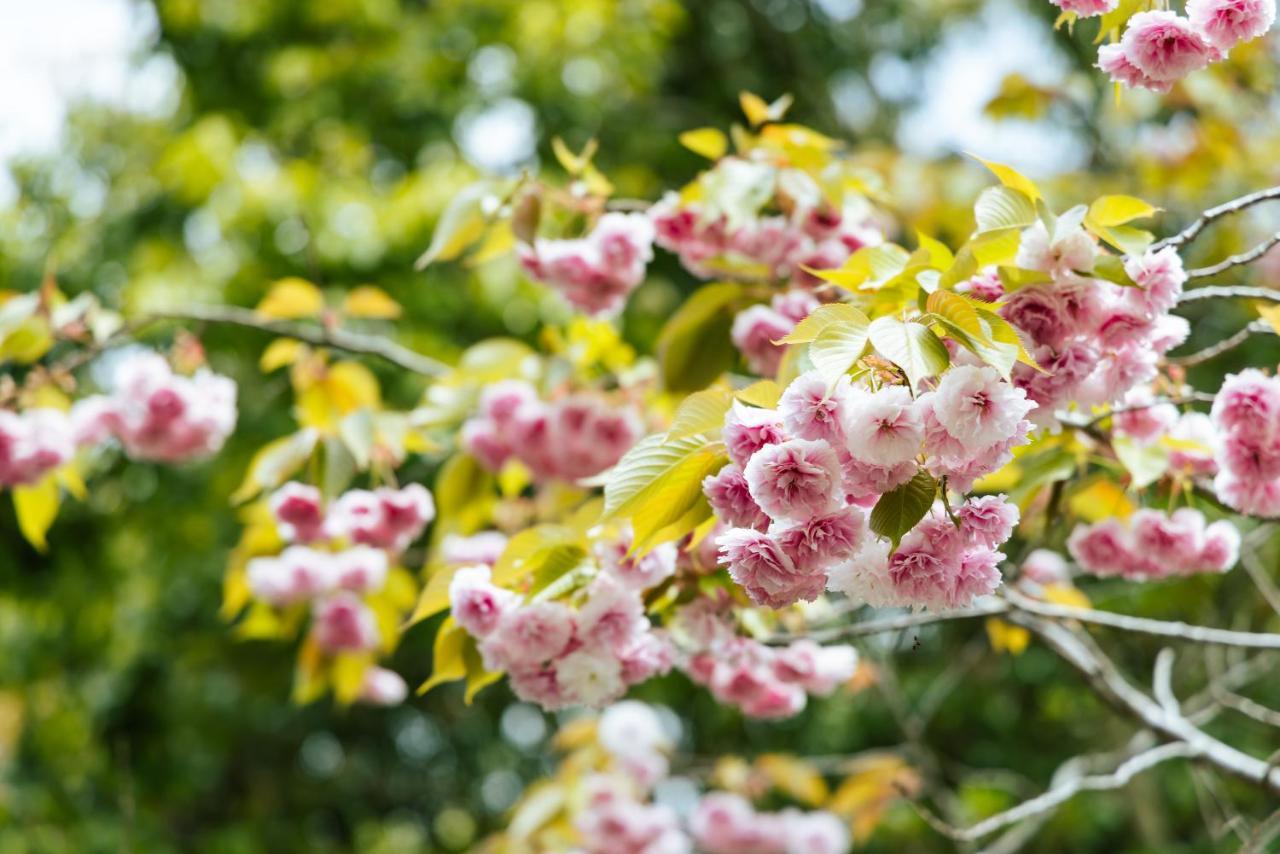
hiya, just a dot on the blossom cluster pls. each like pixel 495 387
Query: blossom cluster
pixel 567 439
pixel 725 823
pixel 1155 545
pixel 1094 340
pixel 1246 419
pixel 157 414
pixel 763 681
pixel 800 476
pixel 615 811
pixel 32 444
pixel 595 273
pixel 555 655
pixel 338 558
pixel 1160 47
pixel 811 233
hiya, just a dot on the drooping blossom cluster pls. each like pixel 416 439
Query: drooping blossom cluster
pixel 595 273
pixel 337 559
pixel 615 809
pixel 567 439
pixel 1246 420
pixel 726 823
pixel 556 655
pixel 1094 340
pixel 32 444
pixel 763 681
pixel 1155 545
pixel 801 475
pixel 157 414
pixel 1160 47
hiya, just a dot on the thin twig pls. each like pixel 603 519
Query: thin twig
pixel 1190 232
pixel 1238 260
pixel 339 339
pixel 1229 292
pixel 1162 681
pixel 1257 327
pixel 984 608
pixel 1262 835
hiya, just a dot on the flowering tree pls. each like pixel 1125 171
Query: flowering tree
pixel 847 431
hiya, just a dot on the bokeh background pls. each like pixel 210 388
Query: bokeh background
pixel 196 150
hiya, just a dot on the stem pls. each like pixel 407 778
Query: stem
pixel 1190 232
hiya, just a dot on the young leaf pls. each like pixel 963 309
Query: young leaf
pixel 899 510
pixel 1109 211
pixel 694 347
pixel 913 347
pixel 701 412
pixel 448 662
pixel 1012 178
pixel 1001 208
pixel 36 507
pixel 462 224
pixel 763 393
pixel 823 316
pixel 711 143
pixel 291 298
pixel 837 347
pixel 372 302
pixel 275 462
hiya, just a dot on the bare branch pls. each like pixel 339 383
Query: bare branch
pixel 1067 790
pixel 339 339
pixel 1192 231
pixel 984 608
pixel 1162 682
pixel 1238 260
pixel 1144 625
pixel 1109 684
pixel 1229 292
pixel 1262 836
pixel 1257 327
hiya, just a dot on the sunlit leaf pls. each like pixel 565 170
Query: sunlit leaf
pixel 913 347
pixel 701 412
pixel 291 298
pixel 1000 208
pixel 838 346
pixel 710 143
pixel 820 318
pixel 462 223
pixel 275 462
pixel 36 506
pixel 372 302
pixel 694 347
pixel 1012 179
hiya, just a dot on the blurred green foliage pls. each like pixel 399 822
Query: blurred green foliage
pixel 319 138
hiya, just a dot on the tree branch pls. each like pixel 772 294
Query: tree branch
pixel 339 339
pixel 1257 327
pixel 985 608
pixel 1229 292
pixel 1109 684
pixel 1143 625
pixel 1238 260
pixel 1193 230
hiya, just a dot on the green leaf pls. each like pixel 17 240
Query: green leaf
pixel 693 348
pixel 464 497
pixel 868 264
pixel 701 412
pixel 823 316
pixel 939 254
pixel 36 506
pixel 1111 268
pixel 1000 332
pixel 356 431
pixel 838 346
pixel 913 347
pixel 900 509
pixel 1000 208
pixel 275 462
pixel 463 223
pixel 544 551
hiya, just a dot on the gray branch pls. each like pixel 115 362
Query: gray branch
pixel 1235 205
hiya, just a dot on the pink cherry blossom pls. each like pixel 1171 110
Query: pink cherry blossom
pixel 32 444
pixel 1226 23
pixel 298 509
pixel 770 578
pixel 977 408
pixel 796 479
pixel 730 498
pixel 823 540
pixel 342 623
pixel 529 635
pixel 1045 566
pixel 747 429
pixel 884 428
pixel 1159 276
pixel 1086 8
pixel 987 520
pixel 814 408
pixel 477 604
pixel 612 616
pixel 295 575
pixel 1165 46
pixel 1115 62
pixel 754 332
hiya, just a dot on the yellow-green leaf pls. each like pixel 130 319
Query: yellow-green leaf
pixel 462 224
pixel 710 143
pixel 448 659
pixel 372 302
pixel 36 506
pixel 762 393
pixel 823 316
pixel 701 412
pixel 1012 178
pixel 275 462
pixel 1109 211
pixel 291 298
